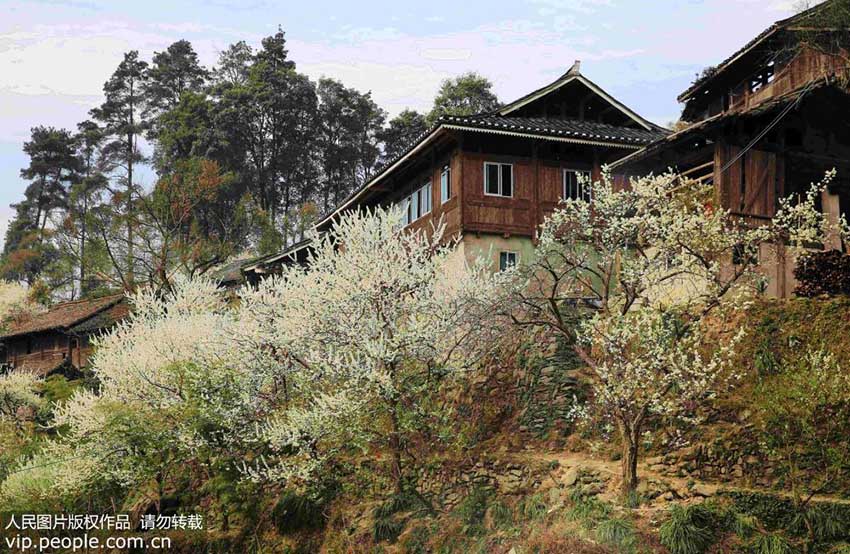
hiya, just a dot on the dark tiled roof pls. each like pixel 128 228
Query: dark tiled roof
pixel 62 316
pixel 231 272
pixel 103 319
pixel 722 66
pixel 565 128
pixel 769 105
pixel 291 251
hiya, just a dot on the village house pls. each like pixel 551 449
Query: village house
pixel 764 124
pixel 493 177
pixel 60 339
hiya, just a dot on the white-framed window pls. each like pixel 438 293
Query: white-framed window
pixel 414 206
pixel 417 204
pixel 498 179
pixel 508 260
pixel 405 206
pixel 425 199
pixel 576 185
pixel 445 184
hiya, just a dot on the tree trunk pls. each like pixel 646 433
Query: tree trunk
pixel 395 446
pixel 83 288
pixel 629 461
pixel 130 276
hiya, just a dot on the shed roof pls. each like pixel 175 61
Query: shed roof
pixel 773 104
pixel 750 46
pixel 66 315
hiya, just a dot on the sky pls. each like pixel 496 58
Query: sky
pixel 55 55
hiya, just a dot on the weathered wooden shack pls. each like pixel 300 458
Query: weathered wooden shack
pixel 61 338
pixel 764 124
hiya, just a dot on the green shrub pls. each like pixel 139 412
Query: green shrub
pixel 533 507
pixel 388 525
pixel 777 513
pixel 501 515
pixel 619 533
pixel 773 543
pixel 387 529
pixel 472 509
pixel 294 512
pixel 393 505
pixel 588 510
pixel 827 521
pixel 690 530
pixel 416 541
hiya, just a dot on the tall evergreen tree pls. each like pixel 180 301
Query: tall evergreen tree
pixel 466 94
pixel 349 125
pixel 123 125
pixel 53 166
pixel 400 132
pixel 85 196
pixel 28 251
pixel 234 64
pixel 267 123
pixel 173 73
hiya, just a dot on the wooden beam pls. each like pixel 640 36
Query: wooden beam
pixel 698 168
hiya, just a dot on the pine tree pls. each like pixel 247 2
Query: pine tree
pixel 123 125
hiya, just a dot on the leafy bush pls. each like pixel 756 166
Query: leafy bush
pixel 472 510
pixel 501 515
pixel 690 530
pixel 588 510
pixel 387 524
pixel 533 507
pixel 618 532
pixel 387 529
pixel 294 512
pixel 823 273
pixel 773 543
pixel 777 513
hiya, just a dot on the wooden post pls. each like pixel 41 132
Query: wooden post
pixel 832 211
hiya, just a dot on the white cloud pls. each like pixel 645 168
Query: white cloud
pixel 20 112
pixel 446 54
pixel 552 7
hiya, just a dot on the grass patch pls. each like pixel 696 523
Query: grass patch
pixel 689 530
pixel 471 511
pixel 500 515
pixel 295 512
pixel 588 511
pixel 619 533
pixel 532 508
pixel 772 543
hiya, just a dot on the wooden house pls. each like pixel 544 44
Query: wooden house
pixel 764 124
pixel 493 177
pixel 61 338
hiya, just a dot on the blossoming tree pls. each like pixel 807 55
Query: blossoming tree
pixel 358 340
pixel 311 366
pixel 629 279
pixel 18 390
